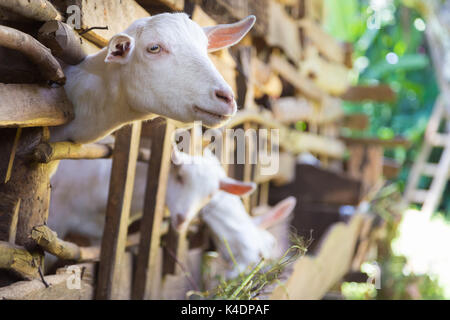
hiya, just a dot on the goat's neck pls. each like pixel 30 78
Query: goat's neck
pixel 100 105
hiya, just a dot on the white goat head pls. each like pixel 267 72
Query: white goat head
pixel 158 66
pixel 247 238
pixel 193 181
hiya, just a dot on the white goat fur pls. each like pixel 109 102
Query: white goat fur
pixel 127 81
pixel 224 213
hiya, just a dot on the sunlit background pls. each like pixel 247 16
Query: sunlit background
pixel 390 47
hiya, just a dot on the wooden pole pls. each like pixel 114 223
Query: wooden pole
pixel 41 10
pixel 146 277
pixel 35 51
pixel 118 210
pixel 64 42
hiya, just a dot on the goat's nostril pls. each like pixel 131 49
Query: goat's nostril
pixel 224 96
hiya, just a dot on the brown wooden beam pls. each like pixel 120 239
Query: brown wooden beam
pixel 28 105
pixel 118 210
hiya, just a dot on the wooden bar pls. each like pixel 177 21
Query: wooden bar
pixel 39 54
pixel 30 105
pixel 379 93
pixel 118 210
pixel 146 279
pixel 41 10
pixel 47 152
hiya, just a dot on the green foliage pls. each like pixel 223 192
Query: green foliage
pixel 390 48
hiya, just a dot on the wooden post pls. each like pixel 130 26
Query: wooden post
pixel 146 277
pixel 118 210
pixel 29 184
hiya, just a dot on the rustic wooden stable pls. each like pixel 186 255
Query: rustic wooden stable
pixel 260 70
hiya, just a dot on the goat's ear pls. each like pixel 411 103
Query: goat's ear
pixel 176 155
pixel 226 35
pixel 276 214
pixel 238 188
pixel 120 49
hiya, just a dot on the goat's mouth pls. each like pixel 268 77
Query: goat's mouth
pixel 212 115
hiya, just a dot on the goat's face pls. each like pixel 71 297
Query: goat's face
pixel 192 183
pixel 165 68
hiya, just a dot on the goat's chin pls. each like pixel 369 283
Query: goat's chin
pixel 210 119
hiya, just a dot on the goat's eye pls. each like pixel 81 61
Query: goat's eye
pixel 154 49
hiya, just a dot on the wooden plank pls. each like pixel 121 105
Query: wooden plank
pixel 283 32
pixel 118 210
pixel 146 278
pixel 291 74
pixel 325 43
pixel 48 65
pixel 331 77
pixel 313 276
pixel 372 141
pixel 292 109
pixel 378 93
pixel 116 15
pixel 27 105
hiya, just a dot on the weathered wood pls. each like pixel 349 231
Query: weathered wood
pixel 379 93
pixel 313 276
pixel 41 10
pixel 47 152
pixel 19 260
pixel 331 77
pixel 27 105
pixel 79 278
pixel 9 216
pixel 325 43
pixel 116 15
pixel 292 109
pixel 146 278
pixel 19 68
pixel 118 209
pixel 48 240
pixel 291 74
pixel 29 182
pixel 63 41
pixel 35 51
pixel 176 5
pixel 283 32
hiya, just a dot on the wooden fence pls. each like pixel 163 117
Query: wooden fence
pixel 287 55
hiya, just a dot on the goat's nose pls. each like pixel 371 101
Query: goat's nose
pixel 225 96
